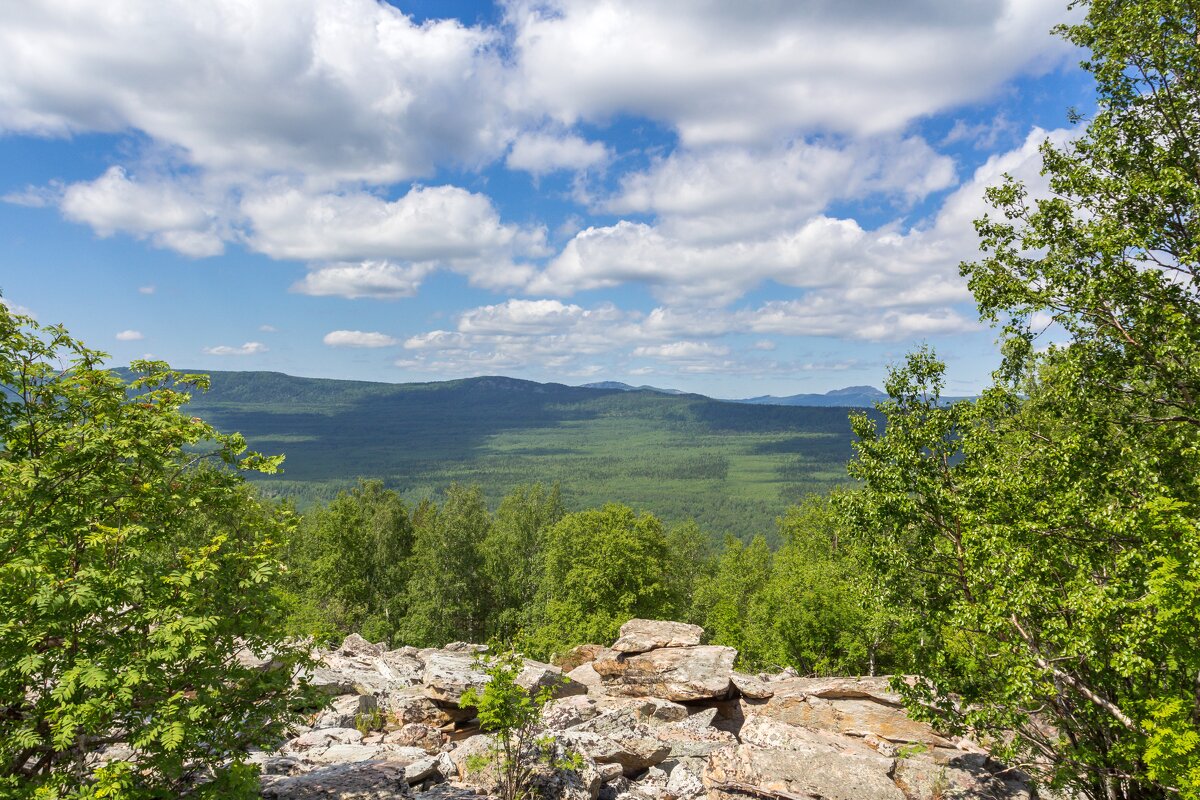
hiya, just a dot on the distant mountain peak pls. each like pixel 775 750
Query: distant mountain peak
pixel 850 396
pixel 625 387
pixel 863 390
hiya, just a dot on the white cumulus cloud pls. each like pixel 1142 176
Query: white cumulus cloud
pixel 379 279
pixel 751 71
pixel 337 89
pixel 673 351
pixel 540 153
pixel 359 339
pixel 129 336
pixel 247 349
pixel 162 211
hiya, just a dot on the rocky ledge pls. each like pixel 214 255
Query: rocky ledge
pixel 656 716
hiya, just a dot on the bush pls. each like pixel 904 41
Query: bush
pixel 134 566
pixel 508 711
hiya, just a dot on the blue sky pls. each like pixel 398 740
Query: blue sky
pixel 764 197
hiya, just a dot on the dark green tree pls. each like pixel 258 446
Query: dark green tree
pixel 821 603
pixel 512 554
pixel 1049 533
pixel 135 566
pixel 692 558
pixel 723 602
pixel 348 565
pixel 602 568
pixel 448 595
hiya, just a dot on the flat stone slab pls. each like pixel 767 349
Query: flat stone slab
pixel 678 674
pixel 644 635
pixel 366 780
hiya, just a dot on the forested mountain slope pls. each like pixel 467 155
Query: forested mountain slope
pixel 733 467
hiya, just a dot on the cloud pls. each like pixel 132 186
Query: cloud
pixel 396 243
pixel 883 285
pixel 336 89
pixel 681 351
pixel 160 210
pixel 439 223
pixel 753 71
pixel 359 339
pixel 379 279
pixel 268 328
pixel 868 270
pixel 130 336
pixel 17 308
pixel 728 193
pixel 36 196
pixel 148 289
pixel 532 318
pixel 362 244
pixel 832 315
pixel 549 334
pixel 540 153
pixel 247 349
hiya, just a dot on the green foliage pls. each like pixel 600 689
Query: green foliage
pixel 448 595
pixel 348 565
pixel 811 605
pixel 1047 569
pixel 822 605
pixel 132 569
pixel 512 554
pixel 692 555
pixel 723 601
pixel 1048 537
pixel 530 575
pixel 602 568
pixel 508 712
pixel 367 721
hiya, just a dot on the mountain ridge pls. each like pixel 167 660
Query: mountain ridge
pixel 734 467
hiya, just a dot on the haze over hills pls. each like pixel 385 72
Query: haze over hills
pixel 849 397
pixel 734 467
pixel 625 387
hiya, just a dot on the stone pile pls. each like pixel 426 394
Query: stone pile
pixel 656 716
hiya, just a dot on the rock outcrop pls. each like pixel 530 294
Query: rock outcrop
pixel 655 716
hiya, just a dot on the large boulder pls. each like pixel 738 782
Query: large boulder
pixel 777 757
pixel 636 751
pixel 567 712
pixel 679 674
pixel 586 675
pixel 643 635
pixel 345 711
pixel 752 687
pixel 854 707
pixel 959 775
pixel 366 780
pixel 359 667
pixel 694 737
pixel 578 656
pixel 417 734
pixel 749 770
pixel 449 674
pixel 651 710
pixel 536 676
